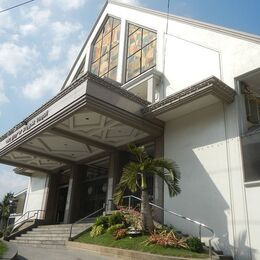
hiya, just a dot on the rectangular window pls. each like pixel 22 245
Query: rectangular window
pixel 141 51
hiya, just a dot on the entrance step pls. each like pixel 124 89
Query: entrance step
pixel 51 236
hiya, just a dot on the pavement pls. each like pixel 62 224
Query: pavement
pixel 36 253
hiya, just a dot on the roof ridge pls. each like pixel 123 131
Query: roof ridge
pixel 232 32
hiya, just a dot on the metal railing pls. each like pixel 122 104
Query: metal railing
pixel 85 218
pixel 29 215
pixel 200 225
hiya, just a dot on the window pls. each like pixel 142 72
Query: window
pixel 105 50
pixel 141 51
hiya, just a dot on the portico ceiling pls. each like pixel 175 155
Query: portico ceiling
pixel 92 117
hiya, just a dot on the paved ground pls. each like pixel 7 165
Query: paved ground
pixel 35 253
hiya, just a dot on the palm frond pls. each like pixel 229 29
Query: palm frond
pixel 128 180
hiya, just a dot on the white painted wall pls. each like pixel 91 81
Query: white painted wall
pixel 37 192
pixel 191 52
pixel 197 142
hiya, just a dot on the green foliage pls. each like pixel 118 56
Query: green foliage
pixel 145 166
pixel 116 218
pixel 5 207
pixel 113 228
pixel 97 230
pixel 194 244
pixel 120 233
pixel 102 220
pixel 2 248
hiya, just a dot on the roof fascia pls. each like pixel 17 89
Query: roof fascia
pixel 230 32
pixel 84 45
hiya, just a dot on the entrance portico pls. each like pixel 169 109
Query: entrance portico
pixel 91 121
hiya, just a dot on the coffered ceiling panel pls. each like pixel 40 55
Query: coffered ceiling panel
pixel 101 128
pixel 61 146
pixel 31 160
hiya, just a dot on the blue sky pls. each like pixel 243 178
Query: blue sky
pixel 39 42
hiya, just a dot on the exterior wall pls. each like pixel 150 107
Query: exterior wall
pixel 37 192
pixel 198 142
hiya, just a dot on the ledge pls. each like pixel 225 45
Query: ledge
pixel 211 86
pixel 123 254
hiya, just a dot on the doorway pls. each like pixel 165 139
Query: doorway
pixel 61 205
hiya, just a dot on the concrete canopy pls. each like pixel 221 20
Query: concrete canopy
pixel 90 118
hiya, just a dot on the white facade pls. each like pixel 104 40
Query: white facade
pixel 204 140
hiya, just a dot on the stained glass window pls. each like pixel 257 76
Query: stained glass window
pixel 141 51
pixel 105 50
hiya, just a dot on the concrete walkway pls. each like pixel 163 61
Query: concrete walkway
pixel 34 253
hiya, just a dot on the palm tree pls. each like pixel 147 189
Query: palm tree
pixel 135 177
pixel 5 207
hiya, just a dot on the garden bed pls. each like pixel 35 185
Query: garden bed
pixel 137 244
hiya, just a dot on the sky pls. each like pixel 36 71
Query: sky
pixel 40 41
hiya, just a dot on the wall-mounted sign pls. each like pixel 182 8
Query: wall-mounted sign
pixel 27 127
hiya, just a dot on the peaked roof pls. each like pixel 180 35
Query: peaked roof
pixel 230 32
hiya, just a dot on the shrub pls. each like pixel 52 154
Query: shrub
pixel 116 218
pixel 133 217
pixel 113 228
pixel 166 239
pixel 97 230
pixel 102 220
pixel 194 244
pixel 120 233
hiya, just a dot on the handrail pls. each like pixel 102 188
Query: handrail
pixel 91 214
pixel 177 215
pixel 36 215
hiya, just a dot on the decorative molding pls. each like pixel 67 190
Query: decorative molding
pixel 75 84
pixel 212 86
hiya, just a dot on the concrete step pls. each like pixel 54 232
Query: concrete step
pixel 41 238
pixel 58 229
pixel 52 246
pixel 42 242
pixel 63 225
pixel 44 235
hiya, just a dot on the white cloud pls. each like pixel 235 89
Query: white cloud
pixel 3 97
pixel 55 52
pixel 65 4
pixel 11 182
pixel 37 16
pixel 130 2
pixel 49 81
pixel 62 30
pixel 14 57
pixel 28 29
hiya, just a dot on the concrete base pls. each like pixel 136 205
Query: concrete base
pixel 123 254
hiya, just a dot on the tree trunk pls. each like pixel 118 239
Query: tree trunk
pixel 146 212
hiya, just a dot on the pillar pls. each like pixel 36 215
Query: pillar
pixel 72 197
pixel 113 178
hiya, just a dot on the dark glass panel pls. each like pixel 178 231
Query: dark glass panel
pixel 95 67
pixel 113 73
